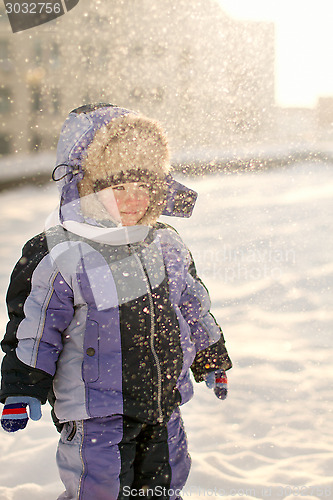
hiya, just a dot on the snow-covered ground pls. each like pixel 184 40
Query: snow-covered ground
pixel 263 245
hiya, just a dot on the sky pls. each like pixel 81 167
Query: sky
pixel 304 43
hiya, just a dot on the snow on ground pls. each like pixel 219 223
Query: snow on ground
pixel 263 245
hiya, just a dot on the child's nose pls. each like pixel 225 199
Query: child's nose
pixel 132 194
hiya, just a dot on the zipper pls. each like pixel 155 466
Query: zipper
pixel 157 361
pixel 83 468
pixel 151 338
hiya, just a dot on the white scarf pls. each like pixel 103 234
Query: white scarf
pixel 120 235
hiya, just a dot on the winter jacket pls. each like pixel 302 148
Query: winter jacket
pixel 115 333
pixel 107 321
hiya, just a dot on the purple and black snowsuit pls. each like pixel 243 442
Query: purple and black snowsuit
pixel 106 323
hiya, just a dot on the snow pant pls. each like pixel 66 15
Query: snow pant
pixel 119 458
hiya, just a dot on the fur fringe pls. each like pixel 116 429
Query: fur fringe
pixel 126 143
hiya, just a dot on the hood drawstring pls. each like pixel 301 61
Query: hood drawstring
pixel 75 171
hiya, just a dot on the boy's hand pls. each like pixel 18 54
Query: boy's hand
pixel 15 417
pixel 218 380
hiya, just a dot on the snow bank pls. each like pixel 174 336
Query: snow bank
pixel 17 170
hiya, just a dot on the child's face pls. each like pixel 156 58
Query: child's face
pixel 126 203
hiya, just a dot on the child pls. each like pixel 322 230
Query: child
pixel 107 315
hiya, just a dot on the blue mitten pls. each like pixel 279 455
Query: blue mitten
pixel 219 382
pixel 15 417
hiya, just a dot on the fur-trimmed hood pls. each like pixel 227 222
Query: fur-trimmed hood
pixel 99 144
pixel 128 148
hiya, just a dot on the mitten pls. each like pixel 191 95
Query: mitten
pixel 15 417
pixel 218 380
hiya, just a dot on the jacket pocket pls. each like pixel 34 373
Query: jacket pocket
pixel 71 433
pixel 90 369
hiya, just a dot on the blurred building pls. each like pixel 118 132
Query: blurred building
pixel 208 78
pixel 296 125
pixel 308 126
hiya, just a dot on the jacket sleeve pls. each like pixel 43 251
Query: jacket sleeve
pixel 40 307
pixel 211 353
